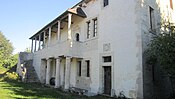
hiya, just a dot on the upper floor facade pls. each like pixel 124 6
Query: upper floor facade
pixel 83 26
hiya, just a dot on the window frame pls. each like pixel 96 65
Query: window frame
pixel 88 29
pixel 151 16
pixel 79 68
pixel 95 27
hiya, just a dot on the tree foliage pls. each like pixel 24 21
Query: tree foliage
pixel 12 61
pixel 6 50
pixel 161 50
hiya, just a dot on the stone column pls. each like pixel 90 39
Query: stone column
pixel 49 36
pixel 48 72
pixel 67 73
pixel 32 46
pixel 58 31
pixel 69 26
pixel 35 44
pixel 39 46
pixel 57 78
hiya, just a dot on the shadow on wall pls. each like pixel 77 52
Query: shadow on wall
pixel 156 83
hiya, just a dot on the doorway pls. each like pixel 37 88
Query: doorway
pixel 107 80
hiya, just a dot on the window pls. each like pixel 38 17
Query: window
pixel 88 68
pixel 77 37
pixel 171 4
pixel 88 29
pixel 95 28
pixel 79 68
pixel 105 2
pixel 151 12
pixel 153 73
pixel 106 59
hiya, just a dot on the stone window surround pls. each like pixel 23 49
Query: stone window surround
pixel 95 27
pixel 92 28
pixel 102 64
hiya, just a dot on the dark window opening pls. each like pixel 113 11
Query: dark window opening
pixel 107 59
pixel 153 73
pixel 79 68
pixel 77 37
pixel 151 11
pixel 88 29
pixel 88 68
pixel 95 28
pixel 105 2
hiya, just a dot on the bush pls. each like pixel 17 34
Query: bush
pixel 161 50
pixel 10 76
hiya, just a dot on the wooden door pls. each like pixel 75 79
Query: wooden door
pixel 107 80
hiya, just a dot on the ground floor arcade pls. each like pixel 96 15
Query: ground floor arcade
pixel 75 73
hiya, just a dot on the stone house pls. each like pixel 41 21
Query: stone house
pixel 97 46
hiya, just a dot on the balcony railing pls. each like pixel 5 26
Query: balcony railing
pixel 66 48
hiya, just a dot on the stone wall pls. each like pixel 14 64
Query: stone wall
pixel 23 56
pixel 25 60
pixel 156 84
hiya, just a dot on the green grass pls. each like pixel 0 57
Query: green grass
pixel 11 88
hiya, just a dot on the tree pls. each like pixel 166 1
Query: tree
pixel 161 50
pixel 12 61
pixel 6 50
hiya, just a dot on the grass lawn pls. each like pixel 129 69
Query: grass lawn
pixel 13 89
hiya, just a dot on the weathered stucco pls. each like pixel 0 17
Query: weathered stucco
pixel 123 31
pixel 23 57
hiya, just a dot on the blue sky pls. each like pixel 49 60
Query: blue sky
pixel 20 19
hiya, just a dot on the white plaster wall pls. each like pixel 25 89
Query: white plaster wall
pixel 62 71
pixel 73 72
pixel 53 38
pixel 64 33
pixel 92 55
pixel 118 26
